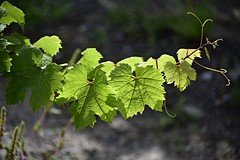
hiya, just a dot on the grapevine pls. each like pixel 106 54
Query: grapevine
pixel 91 86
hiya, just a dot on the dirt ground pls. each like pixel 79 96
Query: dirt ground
pixel 207 125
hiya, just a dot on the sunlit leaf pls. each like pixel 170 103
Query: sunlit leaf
pixel 89 96
pixel 182 53
pixel 163 59
pixel 136 91
pixel 90 58
pixel 180 74
pixel 131 61
pixel 50 44
pixel 150 62
pixel 14 14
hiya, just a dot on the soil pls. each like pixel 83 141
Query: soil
pixel 207 122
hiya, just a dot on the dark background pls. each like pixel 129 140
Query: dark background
pixel 207 125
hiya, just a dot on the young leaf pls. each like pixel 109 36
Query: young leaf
pixel 137 91
pixel 180 75
pixel 182 53
pixel 163 59
pixel 50 45
pixel 90 58
pixel 207 53
pixel 14 14
pixel 89 96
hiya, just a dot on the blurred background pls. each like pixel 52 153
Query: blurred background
pixel 207 125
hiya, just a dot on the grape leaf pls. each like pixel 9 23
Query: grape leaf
pixel 180 74
pixel 107 67
pixel 131 61
pixel 90 58
pixel 25 74
pixel 182 53
pixel 21 72
pixel 89 96
pixel 150 62
pixel 17 39
pixel 43 84
pixel 5 59
pixel 50 44
pixel 16 89
pixel 14 14
pixel 137 91
pixel 16 42
pixel 163 59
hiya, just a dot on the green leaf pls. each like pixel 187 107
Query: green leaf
pixel 5 60
pixel 89 95
pixel 75 78
pixel 131 61
pixel 25 74
pixel 14 14
pixel 22 70
pixel 182 53
pixel 17 41
pixel 163 59
pixel 32 54
pixel 90 58
pixel 150 62
pixel 26 60
pixel 50 44
pixel 43 84
pixel 107 67
pixel 180 75
pixel 137 91
pixel 16 89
